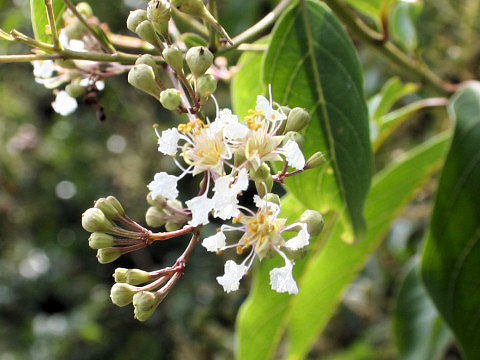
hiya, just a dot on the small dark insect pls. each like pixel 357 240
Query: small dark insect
pixel 91 98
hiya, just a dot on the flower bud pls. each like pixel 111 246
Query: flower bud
pixel 199 59
pixel 146 32
pixel 159 11
pixel 159 202
pixel 298 119
pixel 174 57
pixel 100 240
pixel 170 99
pixel 261 173
pixel 314 221
pixel 94 220
pixel 122 294
pixel 135 18
pixel 172 226
pixel 273 198
pixel 206 85
pixel 109 254
pixel 143 78
pixel 149 60
pixel 145 303
pixel 120 275
pixel 316 160
pixel 155 217
pixel 111 207
pixel 264 186
pixel 294 136
pixel 285 109
pixel 137 276
pixel 84 9
pixel 75 90
pixel 75 30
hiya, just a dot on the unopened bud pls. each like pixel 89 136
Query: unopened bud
pixel 159 201
pixel 149 60
pixel 264 187
pixel 94 220
pixel 172 226
pixel 143 78
pixel 100 240
pixel 170 99
pixel 273 198
pixel 111 207
pixel 122 294
pixel 314 221
pixel 145 303
pixel 316 160
pixel 206 85
pixel 159 11
pixel 174 57
pixel 199 59
pixel 155 217
pixel 84 9
pixel 75 90
pixel 120 275
pixel 137 276
pixel 146 32
pixel 135 18
pixel 261 173
pixel 294 136
pixel 297 120
pixel 109 254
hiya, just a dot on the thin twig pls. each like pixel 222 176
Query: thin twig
pixel 53 25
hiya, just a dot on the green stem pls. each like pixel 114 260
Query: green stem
pixel 53 24
pixel 388 49
pixel 212 37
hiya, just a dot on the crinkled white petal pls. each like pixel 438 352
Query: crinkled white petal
pixel 200 206
pixel 281 279
pixel 300 240
pixel 228 122
pixel 261 204
pixel 168 142
pixel 64 104
pixel 293 154
pixel 270 114
pixel 233 274
pixel 43 68
pixel 215 242
pixel 164 185
pixel 242 181
pixel 235 131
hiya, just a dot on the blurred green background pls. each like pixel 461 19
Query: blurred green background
pixel 54 296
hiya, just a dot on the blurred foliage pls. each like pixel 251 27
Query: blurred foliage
pixel 54 300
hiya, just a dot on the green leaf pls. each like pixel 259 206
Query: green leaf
pixel 192 39
pixel 369 7
pixel 311 62
pixel 420 333
pixel 325 272
pixel 451 257
pixel 247 82
pixel 402 24
pixel 40 20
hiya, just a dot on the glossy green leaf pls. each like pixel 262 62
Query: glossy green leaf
pixel 451 257
pixel 247 82
pixel 402 24
pixel 420 333
pixel 374 8
pixel 325 272
pixel 312 63
pixel 40 20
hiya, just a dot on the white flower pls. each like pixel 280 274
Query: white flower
pixel 242 181
pixel 261 204
pixel 85 82
pixel 281 279
pixel 64 104
pixel 74 45
pixel 226 195
pixel 293 155
pixel 43 68
pixel 168 142
pixel 164 185
pixel 271 115
pixel 200 207
pixel 215 242
pixel 300 240
pixel 233 274
pixel 228 122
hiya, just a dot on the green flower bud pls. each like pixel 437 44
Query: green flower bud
pixel 135 18
pixel 297 120
pixel 199 59
pixel 175 204
pixel 75 90
pixel 316 160
pixel 94 220
pixel 149 60
pixel 145 303
pixel 146 32
pixel 264 186
pixel 206 85
pixel 262 173
pixel 84 9
pixel 109 254
pixel 170 99
pixel 285 109
pixel 314 221
pixel 172 226
pixel 273 198
pixel 174 57
pixel 143 78
pixel 294 136
pixel 159 202
pixel 159 11
pixel 75 30
pixel 122 294
pixel 100 240
pixel 137 276
pixel 120 275
pixel 239 158
pixel 111 207
pixel 155 217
